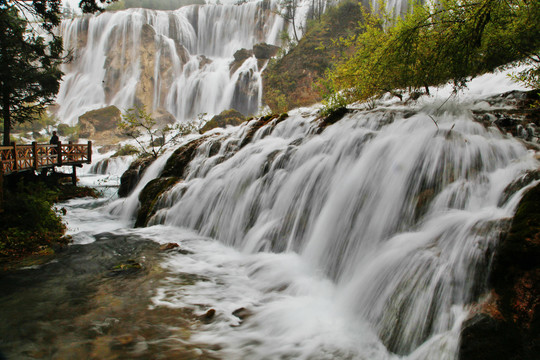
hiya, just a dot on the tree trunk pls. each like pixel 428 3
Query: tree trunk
pixel 7 120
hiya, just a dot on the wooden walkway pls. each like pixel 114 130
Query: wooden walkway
pixel 16 158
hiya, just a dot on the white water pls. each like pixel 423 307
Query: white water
pixel 173 60
pixel 322 236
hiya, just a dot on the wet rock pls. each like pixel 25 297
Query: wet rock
pixel 180 159
pixel 484 337
pixel 514 114
pixel 229 117
pixel 518 184
pixel 149 197
pixel 168 246
pixel 264 51
pixel 510 331
pixel 130 178
pixel 208 316
pixel 242 313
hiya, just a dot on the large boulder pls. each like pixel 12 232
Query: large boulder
pixel 264 51
pixel 227 117
pixel 130 178
pixel 101 125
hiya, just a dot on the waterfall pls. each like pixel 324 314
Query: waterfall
pixel 179 61
pixel 402 214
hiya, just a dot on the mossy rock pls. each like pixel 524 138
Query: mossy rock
pixel 180 159
pixel 101 119
pixel 130 178
pixel 264 51
pixel 262 121
pixel 332 118
pixel 239 57
pixel 229 117
pixel 149 196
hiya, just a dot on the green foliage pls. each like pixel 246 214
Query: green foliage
pixel 137 122
pixel 35 125
pixel 447 40
pixel 289 79
pixel 29 222
pixel 126 150
pixel 71 132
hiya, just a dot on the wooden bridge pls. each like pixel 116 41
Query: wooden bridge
pixel 16 158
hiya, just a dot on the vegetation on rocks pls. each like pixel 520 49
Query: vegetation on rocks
pixel 29 223
pixel 227 117
pixel 150 195
pixel 290 81
pixel 441 41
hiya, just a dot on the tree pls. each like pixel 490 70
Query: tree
pixel 29 70
pixel 29 64
pixel 138 123
pixel 287 10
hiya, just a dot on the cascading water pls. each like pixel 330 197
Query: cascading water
pixel 179 61
pixel 400 213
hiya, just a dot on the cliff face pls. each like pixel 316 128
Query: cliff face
pixel 290 81
pixel 126 56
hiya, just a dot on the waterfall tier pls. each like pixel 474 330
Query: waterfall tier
pixel 179 61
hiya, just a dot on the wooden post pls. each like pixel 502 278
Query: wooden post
pixel 59 153
pixel 89 152
pixel 35 152
pixel 74 176
pixel 15 156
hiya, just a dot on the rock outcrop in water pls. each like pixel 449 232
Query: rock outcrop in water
pixel 133 174
pixel 507 327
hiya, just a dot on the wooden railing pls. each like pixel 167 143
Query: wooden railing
pixel 36 156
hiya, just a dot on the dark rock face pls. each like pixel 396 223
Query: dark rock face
pixel 227 117
pixel 180 159
pixel 256 125
pixel 509 327
pixel 130 178
pixel 239 57
pixel 264 51
pixel 149 197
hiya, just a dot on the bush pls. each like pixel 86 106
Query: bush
pixel 29 221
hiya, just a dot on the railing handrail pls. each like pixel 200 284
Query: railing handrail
pixel 36 156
